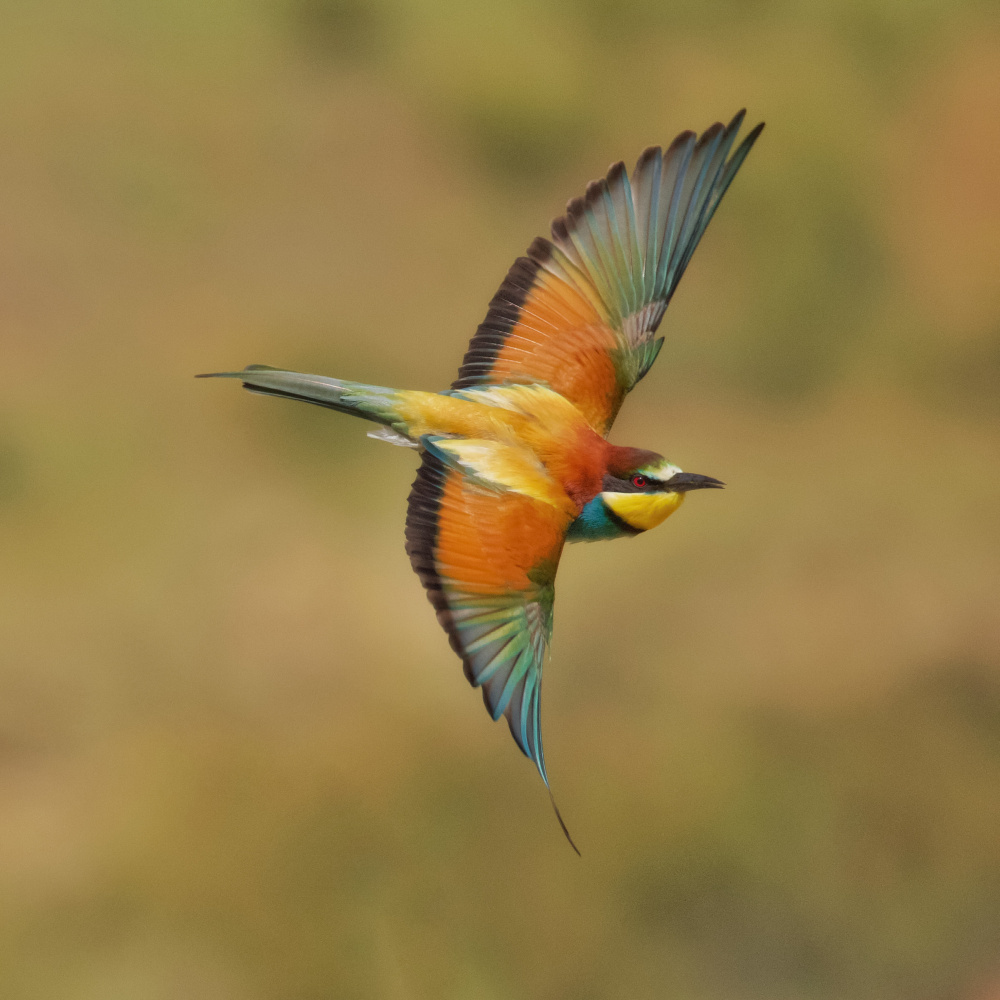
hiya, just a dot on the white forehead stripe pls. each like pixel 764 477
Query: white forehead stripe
pixel 661 471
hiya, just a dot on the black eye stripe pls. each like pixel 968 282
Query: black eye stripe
pixel 612 484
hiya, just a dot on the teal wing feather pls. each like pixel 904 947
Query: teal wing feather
pixel 632 240
pixel 503 644
pixel 487 558
pixel 600 286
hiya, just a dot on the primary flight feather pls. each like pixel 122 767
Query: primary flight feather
pixel 515 459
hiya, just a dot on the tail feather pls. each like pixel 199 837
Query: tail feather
pixel 370 402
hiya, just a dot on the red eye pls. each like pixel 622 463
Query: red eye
pixel 639 481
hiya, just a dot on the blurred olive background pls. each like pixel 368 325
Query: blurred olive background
pixel 238 759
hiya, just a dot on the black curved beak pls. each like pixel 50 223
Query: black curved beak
pixel 685 481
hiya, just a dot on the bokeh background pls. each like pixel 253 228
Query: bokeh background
pixel 238 759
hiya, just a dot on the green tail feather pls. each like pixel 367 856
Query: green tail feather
pixel 370 402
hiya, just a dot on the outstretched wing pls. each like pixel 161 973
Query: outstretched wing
pixel 484 531
pixel 580 310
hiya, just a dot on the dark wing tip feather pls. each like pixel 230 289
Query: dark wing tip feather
pixel 646 156
pixel 560 231
pixel 615 172
pixel 575 208
pixel 519 280
pixel 422 514
pixel 595 191
pixel 737 121
pixel 709 135
pixel 540 250
pixel 502 317
pixel 422 522
pixel 686 137
pixel 751 136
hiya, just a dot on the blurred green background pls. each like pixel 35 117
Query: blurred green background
pixel 238 759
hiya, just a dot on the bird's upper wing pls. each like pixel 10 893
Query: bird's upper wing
pixel 580 310
pixel 484 530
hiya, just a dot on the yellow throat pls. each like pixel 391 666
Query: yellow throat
pixel 643 511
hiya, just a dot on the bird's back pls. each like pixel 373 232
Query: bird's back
pixel 531 418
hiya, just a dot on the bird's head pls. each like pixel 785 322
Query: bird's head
pixel 642 489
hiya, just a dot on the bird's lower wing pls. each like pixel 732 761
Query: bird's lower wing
pixel 484 531
pixel 580 310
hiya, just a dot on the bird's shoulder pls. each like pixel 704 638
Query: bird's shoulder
pixel 555 432
pixel 502 467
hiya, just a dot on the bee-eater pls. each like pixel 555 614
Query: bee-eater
pixel 514 457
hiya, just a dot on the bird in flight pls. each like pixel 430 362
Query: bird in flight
pixel 514 457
